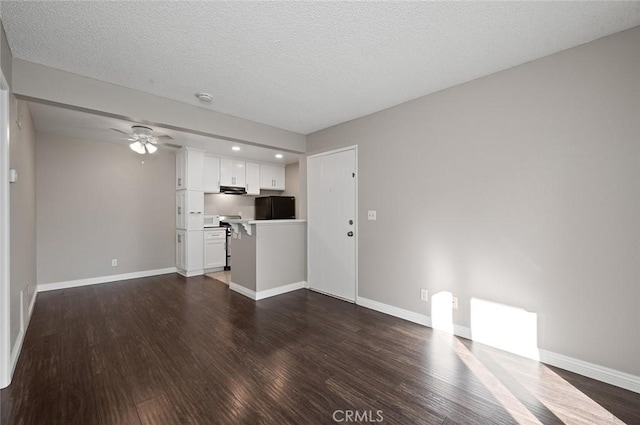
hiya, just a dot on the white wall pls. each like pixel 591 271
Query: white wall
pixel 23 215
pixel 98 202
pixel 53 85
pixel 521 188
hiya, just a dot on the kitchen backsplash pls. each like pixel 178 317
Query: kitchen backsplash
pixel 224 204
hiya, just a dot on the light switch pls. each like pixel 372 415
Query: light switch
pixel 371 215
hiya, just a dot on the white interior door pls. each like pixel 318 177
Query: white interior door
pixel 331 221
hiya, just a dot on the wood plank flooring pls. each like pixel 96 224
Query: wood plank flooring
pixel 170 350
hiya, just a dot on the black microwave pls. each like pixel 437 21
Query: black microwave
pixel 275 207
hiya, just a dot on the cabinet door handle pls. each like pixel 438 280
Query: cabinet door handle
pixel 179 239
pixel 179 210
pixel 179 181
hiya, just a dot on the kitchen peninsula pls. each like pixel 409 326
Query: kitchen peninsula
pixel 269 257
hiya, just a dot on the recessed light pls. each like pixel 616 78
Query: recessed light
pixel 279 155
pixel 235 148
pixel 204 97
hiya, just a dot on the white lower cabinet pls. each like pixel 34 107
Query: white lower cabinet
pixel 215 253
pixel 189 252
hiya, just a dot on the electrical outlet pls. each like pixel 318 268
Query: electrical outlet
pixel 371 215
pixel 114 262
pixel 424 294
pixel 455 303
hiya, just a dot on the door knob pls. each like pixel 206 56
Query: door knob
pixel 350 221
pixel 350 234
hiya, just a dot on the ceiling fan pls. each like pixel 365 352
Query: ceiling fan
pixel 143 141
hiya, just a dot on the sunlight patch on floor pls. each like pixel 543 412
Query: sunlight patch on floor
pixel 501 393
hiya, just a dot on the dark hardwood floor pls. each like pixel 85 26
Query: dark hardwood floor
pixel 169 350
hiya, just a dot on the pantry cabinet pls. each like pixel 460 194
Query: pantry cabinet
pixel 189 252
pixel 189 169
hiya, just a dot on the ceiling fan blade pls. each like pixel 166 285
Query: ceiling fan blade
pixel 120 131
pixel 163 137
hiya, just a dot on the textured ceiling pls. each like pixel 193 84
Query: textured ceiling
pixel 301 66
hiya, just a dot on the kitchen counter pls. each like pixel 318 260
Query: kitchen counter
pixel 269 257
pixel 246 223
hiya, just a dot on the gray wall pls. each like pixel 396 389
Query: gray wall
pixel 281 254
pixel 243 259
pixel 6 58
pixel 99 201
pixel 521 188
pixel 23 213
pixel 292 184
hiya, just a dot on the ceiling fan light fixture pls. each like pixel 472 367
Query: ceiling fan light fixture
pixel 151 148
pixel 138 147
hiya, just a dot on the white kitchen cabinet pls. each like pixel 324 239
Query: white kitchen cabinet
pixel 189 168
pixel 253 178
pixel 272 177
pixel 211 173
pixel 181 209
pixel 181 249
pixel 195 210
pixel 232 173
pixel 189 252
pixel 215 254
pixel 181 169
pixel 189 210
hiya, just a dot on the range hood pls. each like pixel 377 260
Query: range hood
pixel 233 190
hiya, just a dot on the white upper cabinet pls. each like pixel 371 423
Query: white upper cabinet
pixel 272 177
pixel 189 168
pixel 253 178
pixel 181 208
pixel 211 182
pixel 181 169
pixel 232 173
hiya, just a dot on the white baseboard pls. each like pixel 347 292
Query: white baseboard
pixel 242 290
pixel 15 352
pixel 103 279
pixel 590 370
pixel 190 273
pixel 32 304
pixel 401 313
pixel 260 295
pixel 17 346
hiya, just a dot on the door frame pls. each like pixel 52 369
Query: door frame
pixel 5 237
pixel 357 221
